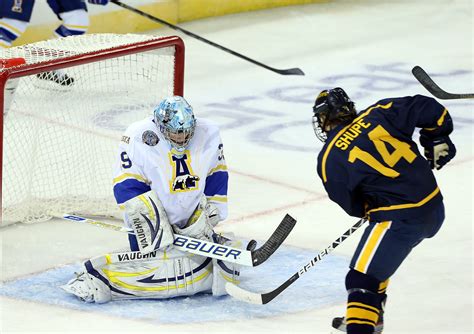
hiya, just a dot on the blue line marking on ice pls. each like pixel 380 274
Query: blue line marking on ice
pixel 320 287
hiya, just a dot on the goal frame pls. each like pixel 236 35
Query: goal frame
pixel 85 58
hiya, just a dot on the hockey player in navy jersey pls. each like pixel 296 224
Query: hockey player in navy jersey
pixel 15 16
pixel 371 167
pixel 170 177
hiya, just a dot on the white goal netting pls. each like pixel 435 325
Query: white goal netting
pixel 60 137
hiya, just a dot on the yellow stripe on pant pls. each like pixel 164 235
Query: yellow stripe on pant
pixel 370 246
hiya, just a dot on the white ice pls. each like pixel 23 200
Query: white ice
pixel 367 47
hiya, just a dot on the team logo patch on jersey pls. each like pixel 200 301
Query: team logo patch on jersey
pixel 150 138
pixel 183 178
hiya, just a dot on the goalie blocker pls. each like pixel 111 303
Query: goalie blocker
pixel 147 218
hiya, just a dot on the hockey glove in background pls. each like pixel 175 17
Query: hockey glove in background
pixel 438 150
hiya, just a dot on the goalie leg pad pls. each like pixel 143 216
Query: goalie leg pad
pixel 171 276
pixel 166 274
pixel 224 272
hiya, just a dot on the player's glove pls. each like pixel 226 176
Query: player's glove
pixel 98 2
pixel 438 150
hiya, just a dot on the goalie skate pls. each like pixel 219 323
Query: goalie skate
pixel 88 288
pixel 339 323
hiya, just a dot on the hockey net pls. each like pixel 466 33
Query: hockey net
pixel 59 139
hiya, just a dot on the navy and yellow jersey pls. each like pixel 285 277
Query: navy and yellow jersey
pixel 145 161
pixel 373 167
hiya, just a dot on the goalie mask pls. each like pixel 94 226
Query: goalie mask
pixel 331 108
pixel 175 119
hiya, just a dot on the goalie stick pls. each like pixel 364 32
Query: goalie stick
pixel 250 258
pixel 433 88
pixel 264 298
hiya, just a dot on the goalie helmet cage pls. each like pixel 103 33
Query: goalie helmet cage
pixel 59 139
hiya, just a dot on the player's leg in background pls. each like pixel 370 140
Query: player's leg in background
pixel 74 17
pixel 74 21
pixel 14 19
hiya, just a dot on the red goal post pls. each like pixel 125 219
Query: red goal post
pixel 59 138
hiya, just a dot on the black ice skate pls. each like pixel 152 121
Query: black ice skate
pixel 58 77
pixel 339 323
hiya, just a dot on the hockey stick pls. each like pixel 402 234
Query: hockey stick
pixel 290 71
pixel 433 88
pixel 251 258
pixel 264 298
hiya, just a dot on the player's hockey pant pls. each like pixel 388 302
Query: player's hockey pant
pixel 381 250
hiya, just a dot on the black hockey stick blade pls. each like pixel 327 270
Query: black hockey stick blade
pixel 433 88
pixel 261 254
pixel 264 298
pixel 290 71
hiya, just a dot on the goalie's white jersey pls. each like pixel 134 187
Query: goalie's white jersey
pixel 146 161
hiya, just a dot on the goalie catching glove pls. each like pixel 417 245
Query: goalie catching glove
pixel 202 222
pixel 147 217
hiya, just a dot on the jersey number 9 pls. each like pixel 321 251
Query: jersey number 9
pixel 126 162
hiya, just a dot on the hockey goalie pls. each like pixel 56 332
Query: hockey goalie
pixel 170 177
